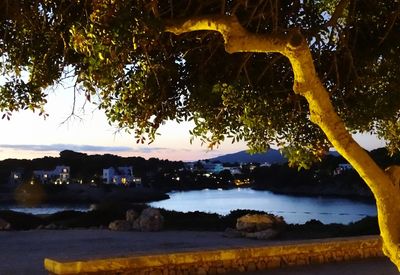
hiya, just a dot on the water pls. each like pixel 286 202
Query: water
pixel 294 209
pixel 45 209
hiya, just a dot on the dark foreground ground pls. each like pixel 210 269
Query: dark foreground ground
pixel 23 252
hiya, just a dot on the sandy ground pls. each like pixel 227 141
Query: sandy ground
pixel 23 252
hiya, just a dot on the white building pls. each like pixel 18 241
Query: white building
pixel 15 177
pixel 341 168
pixel 234 170
pixel 120 176
pixel 59 175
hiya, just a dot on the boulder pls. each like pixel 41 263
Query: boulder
pixel 262 235
pixel 149 220
pixel 258 222
pixel 120 225
pixel 4 225
pixel 51 226
pixel 131 215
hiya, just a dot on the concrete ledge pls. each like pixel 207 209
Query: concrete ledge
pixel 228 260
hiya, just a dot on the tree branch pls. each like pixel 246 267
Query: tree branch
pixel 237 38
pixel 308 84
pixel 336 14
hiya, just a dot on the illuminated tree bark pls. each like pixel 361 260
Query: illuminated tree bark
pixel 307 83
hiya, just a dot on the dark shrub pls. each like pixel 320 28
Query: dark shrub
pixel 21 221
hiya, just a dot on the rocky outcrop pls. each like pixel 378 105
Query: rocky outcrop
pixel 4 225
pixel 150 220
pixel 120 225
pixel 257 222
pixel 257 226
pixel 131 215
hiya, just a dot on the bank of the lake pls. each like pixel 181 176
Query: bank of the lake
pixel 294 209
pixel 75 194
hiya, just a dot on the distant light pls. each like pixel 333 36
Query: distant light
pixel 32 183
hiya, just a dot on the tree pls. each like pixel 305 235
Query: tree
pixel 300 74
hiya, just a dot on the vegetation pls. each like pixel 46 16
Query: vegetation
pixel 185 221
pixel 85 168
pixel 301 74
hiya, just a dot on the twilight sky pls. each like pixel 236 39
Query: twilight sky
pixel 27 135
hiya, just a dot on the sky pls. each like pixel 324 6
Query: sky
pixel 27 135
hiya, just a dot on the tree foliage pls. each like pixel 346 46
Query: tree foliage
pixel 141 76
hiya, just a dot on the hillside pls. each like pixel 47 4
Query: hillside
pixel 271 156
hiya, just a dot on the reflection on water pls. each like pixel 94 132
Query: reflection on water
pixel 294 209
pixel 45 209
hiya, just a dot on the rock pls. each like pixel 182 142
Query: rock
pixel 120 225
pixel 136 224
pixel 262 235
pixel 93 206
pixel 51 226
pixel 4 225
pixel 149 220
pixel 258 222
pixel 131 215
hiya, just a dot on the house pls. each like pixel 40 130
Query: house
pixel 16 177
pixel 341 168
pixel 59 175
pixel 234 170
pixel 121 176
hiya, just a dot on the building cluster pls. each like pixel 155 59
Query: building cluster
pixel 208 167
pixel 61 174
pixel 196 172
pixel 212 169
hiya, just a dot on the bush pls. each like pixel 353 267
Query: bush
pixel 21 221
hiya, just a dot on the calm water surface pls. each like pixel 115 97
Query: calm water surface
pixel 45 209
pixel 294 209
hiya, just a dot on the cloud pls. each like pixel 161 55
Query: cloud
pixel 148 150
pixel 61 147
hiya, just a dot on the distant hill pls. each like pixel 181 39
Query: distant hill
pixel 271 156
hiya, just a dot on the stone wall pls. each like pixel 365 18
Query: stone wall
pixel 229 260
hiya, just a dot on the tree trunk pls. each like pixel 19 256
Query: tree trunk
pixel 383 185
